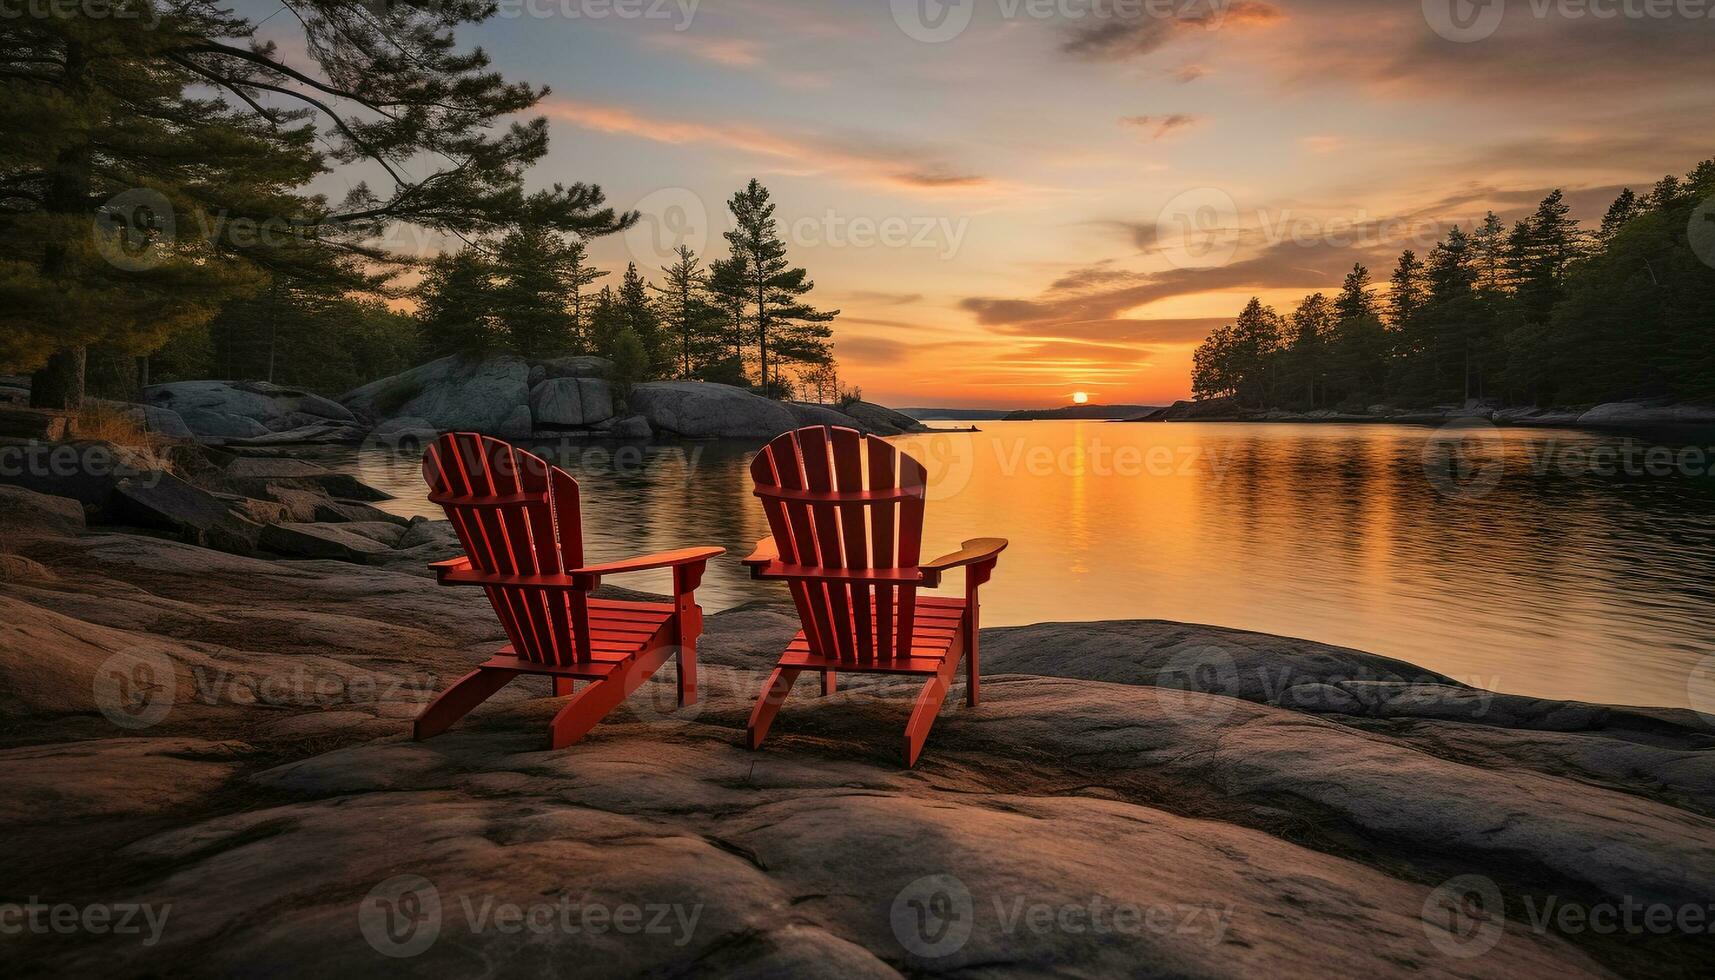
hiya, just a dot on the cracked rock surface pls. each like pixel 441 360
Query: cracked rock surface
pixel 1130 798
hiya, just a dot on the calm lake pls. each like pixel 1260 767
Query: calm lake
pixel 1553 563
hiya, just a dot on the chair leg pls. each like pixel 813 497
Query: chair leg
pixel 598 698
pixel 829 684
pixel 565 687
pixel 768 705
pixel 973 679
pixel 688 673
pixel 457 701
pixel 922 717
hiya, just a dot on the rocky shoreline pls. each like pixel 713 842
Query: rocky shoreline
pixel 1252 800
pixel 1641 412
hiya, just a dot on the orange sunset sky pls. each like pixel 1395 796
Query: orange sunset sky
pixel 987 209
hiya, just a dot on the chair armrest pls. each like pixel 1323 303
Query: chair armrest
pixel 766 551
pixel 458 571
pixel 978 552
pixel 665 559
pixel 441 568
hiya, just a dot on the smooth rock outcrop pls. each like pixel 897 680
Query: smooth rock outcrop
pixel 1239 836
pixel 28 512
pixel 488 395
pixel 571 402
pixel 701 410
pixel 1648 413
pixel 243 409
pixel 881 420
pixel 337 542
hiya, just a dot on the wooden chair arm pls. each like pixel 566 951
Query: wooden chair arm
pixel 458 571
pixel 441 568
pixel 691 560
pixel 766 552
pixel 978 554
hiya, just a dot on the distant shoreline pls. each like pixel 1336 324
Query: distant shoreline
pixel 1611 415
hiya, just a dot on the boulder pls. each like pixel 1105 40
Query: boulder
pixel 633 428
pixel 206 424
pixel 163 422
pixel 1650 412
pixel 85 471
pixel 579 366
pixel 1535 416
pixel 330 511
pixel 256 475
pixel 703 410
pixel 807 414
pixel 221 409
pixel 488 395
pixel 34 423
pixel 162 501
pixel 323 541
pixel 571 402
pixel 324 432
pixel 28 512
pixel 882 421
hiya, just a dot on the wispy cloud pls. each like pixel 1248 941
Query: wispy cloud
pixel 794 152
pixel 1119 38
pixel 1160 127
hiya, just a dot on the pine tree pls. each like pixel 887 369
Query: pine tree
pixel 643 320
pixel 455 310
pixel 727 293
pixel 1405 294
pixel 579 275
pixel 1360 349
pixel 156 135
pixel 695 327
pixel 1550 245
pixel 1309 334
pixel 529 300
pixel 773 289
pixel 1625 208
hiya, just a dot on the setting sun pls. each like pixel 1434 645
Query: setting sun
pixel 1080 397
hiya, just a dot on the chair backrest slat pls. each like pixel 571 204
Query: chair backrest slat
pixel 845 521
pixel 510 510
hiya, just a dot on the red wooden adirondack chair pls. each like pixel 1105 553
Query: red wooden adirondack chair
pixel 846 540
pixel 518 520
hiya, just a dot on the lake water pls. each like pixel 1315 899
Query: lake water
pixel 1553 563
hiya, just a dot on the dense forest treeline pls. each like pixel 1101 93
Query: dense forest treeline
pixel 742 320
pixel 533 292
pixel 1544 313
pixel 157 222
